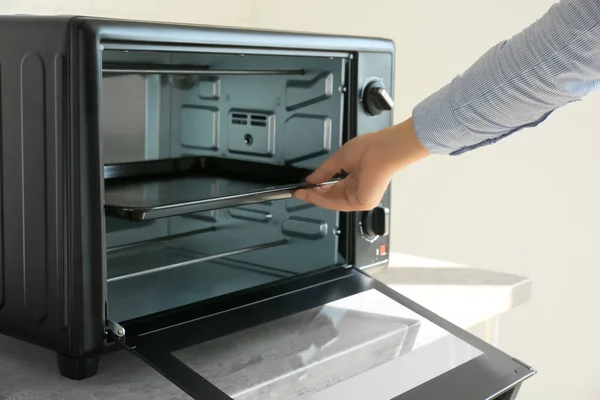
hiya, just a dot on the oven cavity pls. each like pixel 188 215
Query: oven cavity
pixel 201 153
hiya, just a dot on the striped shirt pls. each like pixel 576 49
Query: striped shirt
pixel 517 83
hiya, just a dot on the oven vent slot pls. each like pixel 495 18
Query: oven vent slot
pixel 258 120
pixel 248 119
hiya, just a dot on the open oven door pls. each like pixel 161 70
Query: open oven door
pixel 335 335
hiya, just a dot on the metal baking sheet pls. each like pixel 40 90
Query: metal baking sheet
pixel 144 199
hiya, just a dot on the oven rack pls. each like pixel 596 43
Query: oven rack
pixel 128 68
pixel 165 253
pixel 138 276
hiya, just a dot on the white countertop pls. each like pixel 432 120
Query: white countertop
pixel 463 295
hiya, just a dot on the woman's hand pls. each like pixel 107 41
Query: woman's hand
pixel 371 160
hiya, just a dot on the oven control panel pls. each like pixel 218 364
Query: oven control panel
pixel 375 223
pixel 375 97
pixel 374 111
pixel 373 236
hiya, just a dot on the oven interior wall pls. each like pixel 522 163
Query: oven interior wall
pixel 277 119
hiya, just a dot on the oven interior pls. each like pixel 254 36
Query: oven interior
pixel 196 147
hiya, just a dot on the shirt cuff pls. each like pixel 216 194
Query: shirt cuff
pixel 437 127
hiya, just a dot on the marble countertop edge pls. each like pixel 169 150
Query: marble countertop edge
pixel 464 295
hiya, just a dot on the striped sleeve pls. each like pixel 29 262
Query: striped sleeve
pixel 517 83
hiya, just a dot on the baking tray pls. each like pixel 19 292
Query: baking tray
pixel 178 187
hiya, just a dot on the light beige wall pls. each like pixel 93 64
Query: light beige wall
pixel 528 205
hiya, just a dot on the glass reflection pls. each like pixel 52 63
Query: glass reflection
pixel 363 346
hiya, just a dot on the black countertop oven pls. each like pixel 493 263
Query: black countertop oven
pixel 145 194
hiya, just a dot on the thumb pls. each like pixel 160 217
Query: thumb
pixel 333 197
pixel 327 170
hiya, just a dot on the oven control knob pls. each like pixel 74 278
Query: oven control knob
pixel 376 222
pixel 376 99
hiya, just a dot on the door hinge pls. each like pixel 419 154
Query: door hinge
pixel 114 329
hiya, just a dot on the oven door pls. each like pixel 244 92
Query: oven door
pixel 334 335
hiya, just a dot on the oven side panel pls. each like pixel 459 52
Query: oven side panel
pixel 86 193
pixel 372 253
pixel 34 278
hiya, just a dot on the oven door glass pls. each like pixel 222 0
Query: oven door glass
pixel 340 336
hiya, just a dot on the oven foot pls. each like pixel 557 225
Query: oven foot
pixel 77 368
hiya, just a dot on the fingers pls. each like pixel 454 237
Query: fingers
pixel 350 194
pixel 325 171
pixel 325 197
pixel 340 196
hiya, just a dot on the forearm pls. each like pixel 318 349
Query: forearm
pixel 517 83
pixel 400 147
